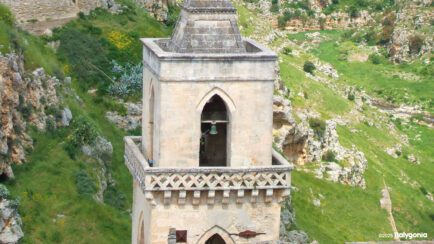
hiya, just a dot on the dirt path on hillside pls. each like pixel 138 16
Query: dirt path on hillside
pixel 386 203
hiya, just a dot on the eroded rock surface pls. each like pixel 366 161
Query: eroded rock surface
pixel 25 99
pixel 10 220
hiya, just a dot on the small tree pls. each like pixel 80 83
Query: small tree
pixel 309 67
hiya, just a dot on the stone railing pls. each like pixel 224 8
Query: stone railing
pixel 209 179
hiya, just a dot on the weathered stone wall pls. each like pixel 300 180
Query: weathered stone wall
pixel 181 90
pixel 42 10
pixel 199 220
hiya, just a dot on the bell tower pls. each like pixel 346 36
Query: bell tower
pixel 204 170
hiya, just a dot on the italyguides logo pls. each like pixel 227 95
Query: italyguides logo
pixel 404 235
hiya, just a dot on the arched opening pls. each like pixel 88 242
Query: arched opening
pixel 150 126
pixel 215 239
pixel 216 235
pixel 141 230
pixel 214 133
pixel 141 239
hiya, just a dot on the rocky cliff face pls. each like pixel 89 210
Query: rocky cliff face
pixel 25 99
pixel 300 145
pixel 412 31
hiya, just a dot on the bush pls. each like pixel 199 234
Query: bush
pixel 351 96
pixel 375 58
pixel 281 22
pixel 329 156
pixel 129 80
pixel 287 50
pixel 318 126
pixel 354 12
pixel 113 197
pixel 6 15
pixel 172 15
pixel 85 184
pixel 81 15
pixel 274 6
pixel 309 67
pixel 50 124
pixel 415 44
pixel 84 133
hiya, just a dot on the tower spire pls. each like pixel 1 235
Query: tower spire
pixel 207 26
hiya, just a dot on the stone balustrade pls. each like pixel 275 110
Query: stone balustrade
pixel 211 179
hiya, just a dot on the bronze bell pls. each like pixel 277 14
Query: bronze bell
pixel 213 130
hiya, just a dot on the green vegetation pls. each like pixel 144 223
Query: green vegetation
pixel 83 133
pixel 329 156
pixel 318 126
pixel 57 185
pixel 274 6
pixel 309 67
pixel 6 15
pixel 406 83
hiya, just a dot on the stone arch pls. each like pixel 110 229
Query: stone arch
pixel 222 233
pixel 222 94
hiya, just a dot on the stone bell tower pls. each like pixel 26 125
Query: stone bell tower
pixel 204 169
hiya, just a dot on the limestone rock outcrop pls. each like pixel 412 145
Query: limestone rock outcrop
pixel 10 220
pixel 299 144
pixel 131 120
pixel 24 99
pixel 412 34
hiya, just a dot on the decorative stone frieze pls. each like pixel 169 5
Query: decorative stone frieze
pixel 199 182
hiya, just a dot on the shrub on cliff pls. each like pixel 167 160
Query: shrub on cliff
pixel 318 126
pixel 84 133
pixel 6 15
pixel 309 67
pixel 329 156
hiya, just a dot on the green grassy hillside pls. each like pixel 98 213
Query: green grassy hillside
pixel 53 207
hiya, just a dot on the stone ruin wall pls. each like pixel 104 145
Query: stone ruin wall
pixel 42 10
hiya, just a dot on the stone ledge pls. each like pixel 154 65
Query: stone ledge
pixel 203 178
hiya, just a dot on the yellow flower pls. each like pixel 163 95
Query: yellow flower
pixel 120 40
pixel 66 69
